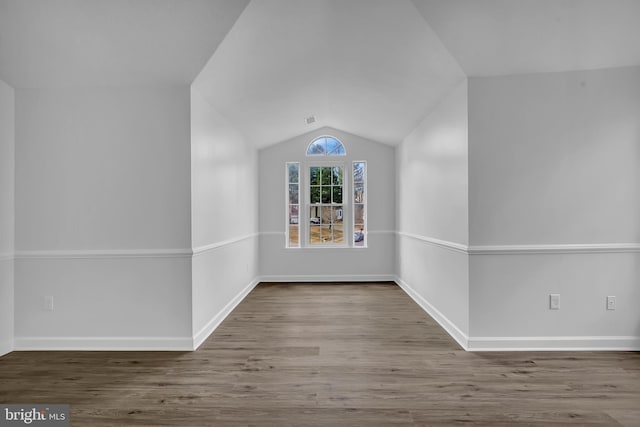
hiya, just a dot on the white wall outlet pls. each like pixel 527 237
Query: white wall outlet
pixel 611 303
pixel 48 303
pixel 554 301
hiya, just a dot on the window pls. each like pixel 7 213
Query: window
pixel 326 146
pixel 293 205
pixel 359 203
pixel 327 215
pixel 326 211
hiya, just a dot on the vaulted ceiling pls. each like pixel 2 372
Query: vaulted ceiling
pixel 62 43
pixel 370 67
pixel 499 37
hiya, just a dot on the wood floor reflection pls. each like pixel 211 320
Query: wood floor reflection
pixel 329 355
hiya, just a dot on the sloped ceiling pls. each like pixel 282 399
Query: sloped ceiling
pixel 58 43
pixel 500 37
pixel 369 67
pixel 373 68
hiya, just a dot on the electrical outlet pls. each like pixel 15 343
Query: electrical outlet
pixel 554 301
pixel 611 303
pixel 48 303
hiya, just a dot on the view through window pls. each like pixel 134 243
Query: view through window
pixel 359 206
pixel 326 211
pixel 293 204
pixel 320 210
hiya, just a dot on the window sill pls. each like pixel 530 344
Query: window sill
pixel 324 248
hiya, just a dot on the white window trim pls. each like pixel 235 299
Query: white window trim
pixel 304 199
pixel 326 155
pixel 288 204
pixel 365 205
pixel 323 162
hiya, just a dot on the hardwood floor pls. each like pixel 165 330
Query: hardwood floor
pixel 329 355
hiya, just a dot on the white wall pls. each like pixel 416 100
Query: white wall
pixel 7 150
pixel 555 208
pixel 376 262
pixel 224 216
pixel 103 218
pixel 432 196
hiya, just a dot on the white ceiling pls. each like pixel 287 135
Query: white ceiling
pixel 369 67
pixel 500 37
pixel 58 43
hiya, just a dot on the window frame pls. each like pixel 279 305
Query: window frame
pixel 321 162
pixel 325 154
pixel 304 164
pixel 364 204
pixel 288 205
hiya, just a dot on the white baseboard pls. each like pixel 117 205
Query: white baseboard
pixel 330 278
pixel 6 347
pixel 451 328
pixel 554 343
pixel 103 343
pixel 470 343
pixel 127 343
pixel 216 320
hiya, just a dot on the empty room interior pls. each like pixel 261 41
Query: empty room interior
pixel 395 192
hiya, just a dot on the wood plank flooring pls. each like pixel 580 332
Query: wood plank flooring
pixel 329 355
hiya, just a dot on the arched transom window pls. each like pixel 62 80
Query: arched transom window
pixel 326 146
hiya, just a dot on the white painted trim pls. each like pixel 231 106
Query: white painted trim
pixel 188 252
pixel 104 254
pixel 216 320
pixel 585 343
pixel 470 343
pixel 103 343
pixel 450 327
pixel 124 253
pixel 329 278
pixel 554 249
pixel 272 233
pixel 527 249
pixel 213 246
pixel 457 247
pixel 281 233
pixel 6 347
pixel 381 232
pixel 334 248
